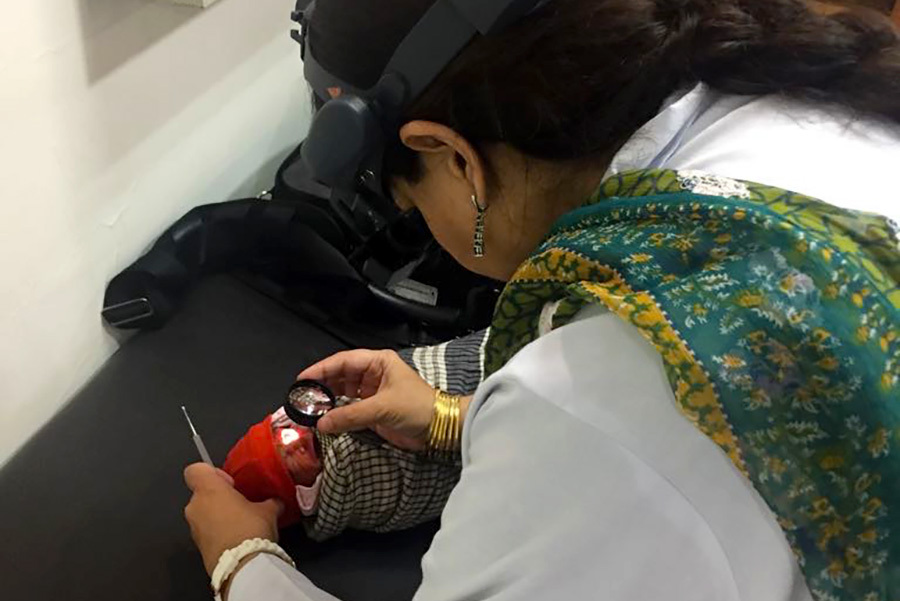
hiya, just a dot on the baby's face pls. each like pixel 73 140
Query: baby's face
pixel 297 448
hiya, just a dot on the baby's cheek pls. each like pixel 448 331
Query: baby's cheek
pixel 299 455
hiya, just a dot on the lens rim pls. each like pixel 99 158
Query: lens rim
pixel 304 419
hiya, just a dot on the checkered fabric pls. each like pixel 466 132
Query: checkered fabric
pixel 367 484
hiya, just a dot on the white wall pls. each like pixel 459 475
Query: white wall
pixel 116 117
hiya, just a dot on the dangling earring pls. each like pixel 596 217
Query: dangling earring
pixel 478 245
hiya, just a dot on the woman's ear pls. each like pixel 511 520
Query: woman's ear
pixel 449 152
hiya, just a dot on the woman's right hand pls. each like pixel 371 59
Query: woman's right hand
pixel 396 402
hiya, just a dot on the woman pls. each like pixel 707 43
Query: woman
pixel 692 374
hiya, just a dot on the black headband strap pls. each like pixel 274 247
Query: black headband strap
pixel 444 30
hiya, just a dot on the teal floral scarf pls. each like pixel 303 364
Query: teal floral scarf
pixel 778 321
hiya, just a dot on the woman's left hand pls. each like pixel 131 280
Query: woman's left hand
pixel 221 518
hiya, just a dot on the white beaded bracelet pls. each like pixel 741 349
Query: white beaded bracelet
pixel 232 558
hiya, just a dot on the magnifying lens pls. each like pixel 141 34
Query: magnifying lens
pixel 308 401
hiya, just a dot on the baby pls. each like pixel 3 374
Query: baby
pixel 278 459
pixel 356 480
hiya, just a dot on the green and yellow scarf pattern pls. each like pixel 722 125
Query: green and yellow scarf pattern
pixel 778 321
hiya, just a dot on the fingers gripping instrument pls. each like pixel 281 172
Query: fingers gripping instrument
pixel 345 146
pixel 198 442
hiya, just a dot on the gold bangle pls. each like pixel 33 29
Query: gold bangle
pixel 437 443
pixel 444 432
pixel 443 441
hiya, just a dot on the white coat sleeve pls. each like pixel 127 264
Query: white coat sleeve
pixel 267 577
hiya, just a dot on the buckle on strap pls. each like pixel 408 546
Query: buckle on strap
pixel 129 312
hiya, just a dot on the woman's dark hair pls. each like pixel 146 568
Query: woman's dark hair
pixel 578 77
